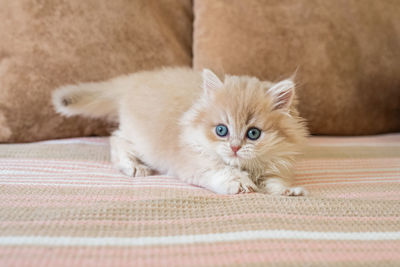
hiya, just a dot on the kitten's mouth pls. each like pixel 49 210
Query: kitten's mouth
pixel 233 160
pixel 236 156
pixel 233 156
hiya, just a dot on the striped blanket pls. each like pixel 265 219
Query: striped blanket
pixel 63 204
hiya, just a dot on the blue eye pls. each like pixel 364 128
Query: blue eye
pixel 221 130
pixel 253 133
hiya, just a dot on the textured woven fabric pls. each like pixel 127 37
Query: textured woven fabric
pixel 62 204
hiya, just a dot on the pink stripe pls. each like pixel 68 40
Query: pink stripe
pixel 221 254
pixel 72 140
pixel 330 186
pixel 98 185
pixel 32 197
pixel 338 167
pixel 41 162
pixel 377 195
pixel 395 172
pixel 91 175
pixel 347 178
pixel 107 165
pixel 90 179
pixel 238 246
pixel 338 178
pixel 77 198
pixel 307 162
pixel 44 163
pixel 186 189
pixel 88 182
pixel 67 175
pixel 345 161
pixel 301 165
pixel 49 168
pixel 344 181
pixel 323 168
pixel 73 170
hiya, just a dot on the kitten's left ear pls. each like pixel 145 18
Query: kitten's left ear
pixel 211 82
pixel 283 94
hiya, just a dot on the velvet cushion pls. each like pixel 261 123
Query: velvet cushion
pixel 46 44
pixel 346 53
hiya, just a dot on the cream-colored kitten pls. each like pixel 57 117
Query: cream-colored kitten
pixel 232 136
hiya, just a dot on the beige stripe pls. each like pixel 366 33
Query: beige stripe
pixel 174 205
pixel 56 151
pixel 60 228
pixel 321 152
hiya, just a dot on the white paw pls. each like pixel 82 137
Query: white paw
pixel 233 182
pixel 294 191
pixel 276 186
pixel 136 170
pixel 240 186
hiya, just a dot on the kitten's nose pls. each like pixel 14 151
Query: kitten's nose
pixel 235 148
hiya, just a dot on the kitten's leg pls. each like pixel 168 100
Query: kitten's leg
pixel 278 186
pixel 227 180
pixel 123 157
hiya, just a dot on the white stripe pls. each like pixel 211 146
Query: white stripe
pixel 190 239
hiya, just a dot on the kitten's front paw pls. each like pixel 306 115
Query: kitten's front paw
pixel 240 186
pixel 295 191
pixel 233 182
pixel 135 170
pixel 276 186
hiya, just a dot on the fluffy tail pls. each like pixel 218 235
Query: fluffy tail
pixel 87 99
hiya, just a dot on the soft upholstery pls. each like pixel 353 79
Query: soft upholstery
pixel 346 53
pixel 62 204
pixel 46 44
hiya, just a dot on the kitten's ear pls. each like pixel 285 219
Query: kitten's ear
pixel 211 82
pixel 282 93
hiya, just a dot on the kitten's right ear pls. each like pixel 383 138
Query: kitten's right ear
pixel 283 94
pixel 211 82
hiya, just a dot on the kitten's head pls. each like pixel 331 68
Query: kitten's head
pixel 244 121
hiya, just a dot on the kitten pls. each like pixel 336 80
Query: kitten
pixel 232 136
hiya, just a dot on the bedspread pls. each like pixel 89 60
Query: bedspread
pixel 63 204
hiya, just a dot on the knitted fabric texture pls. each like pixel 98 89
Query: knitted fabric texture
pixel 63 204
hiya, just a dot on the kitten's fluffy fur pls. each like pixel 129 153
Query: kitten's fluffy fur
pixel 167 123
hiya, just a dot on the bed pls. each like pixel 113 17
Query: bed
pixel 63 204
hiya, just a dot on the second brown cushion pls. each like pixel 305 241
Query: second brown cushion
pixel 346 52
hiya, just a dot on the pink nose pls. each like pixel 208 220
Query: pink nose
pixel 235 148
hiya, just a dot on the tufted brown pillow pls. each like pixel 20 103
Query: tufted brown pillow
pixel 347 53
pixel 46 44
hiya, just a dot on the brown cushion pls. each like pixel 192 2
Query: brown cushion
pixel 46 44
pixel 347 53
